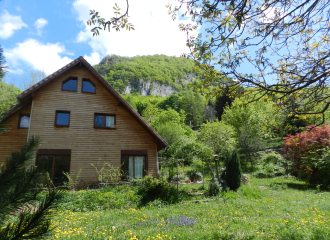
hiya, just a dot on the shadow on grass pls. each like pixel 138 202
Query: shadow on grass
pixel 296 186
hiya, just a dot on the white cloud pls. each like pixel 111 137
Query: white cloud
pixel 9 24
pixel 93 59
pixel 155 32
pixel 39 24
pixel 39 56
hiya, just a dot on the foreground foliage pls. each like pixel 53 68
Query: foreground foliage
pixel 24 213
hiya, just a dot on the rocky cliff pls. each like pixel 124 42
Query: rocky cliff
pixel 148 75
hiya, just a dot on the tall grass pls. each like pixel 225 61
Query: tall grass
pixel 278 208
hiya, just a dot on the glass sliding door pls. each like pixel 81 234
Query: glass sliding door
pixel 138 166
pixel 133 167
pixel 55 165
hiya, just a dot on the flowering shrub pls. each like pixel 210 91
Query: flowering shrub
pixel 303 148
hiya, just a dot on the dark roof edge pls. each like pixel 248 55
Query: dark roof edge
pixel 158 139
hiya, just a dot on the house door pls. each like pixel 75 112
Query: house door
pixel 55 165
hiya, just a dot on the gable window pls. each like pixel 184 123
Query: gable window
pixel 24 121
pixel 102 120
pixel 62 118
pixel 54 162
pixel 88 86
pixel 70 84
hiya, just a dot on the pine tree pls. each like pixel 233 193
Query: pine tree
pixel 20 197
pixel 233 171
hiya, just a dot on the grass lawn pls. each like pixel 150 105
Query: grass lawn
pixel 278 208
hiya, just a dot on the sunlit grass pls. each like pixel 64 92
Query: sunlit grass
pixel 278 208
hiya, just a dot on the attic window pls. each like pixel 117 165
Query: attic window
pixel 70 84
pixel 88 86
pixel 24 121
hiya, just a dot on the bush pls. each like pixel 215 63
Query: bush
pixel 321 166
pixel 150 189
pixel 214 188
pixel 271 157
pixel 233 172
pixel 194 175
pixel 307 152
pixel 177 178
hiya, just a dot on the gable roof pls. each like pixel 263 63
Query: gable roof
pixel 26 96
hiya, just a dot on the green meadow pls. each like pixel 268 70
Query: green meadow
pixel 267 208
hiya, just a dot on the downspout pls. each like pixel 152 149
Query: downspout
pixel 30 120
pixel 157 164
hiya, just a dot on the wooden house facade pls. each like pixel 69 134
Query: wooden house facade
pixel 81 121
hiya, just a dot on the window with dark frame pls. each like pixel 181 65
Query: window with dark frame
pixel 102 120
pixel 54 165
pixel 133 166
pixel 24 121
pixel 62 118
pixel 87 86
pixel 70 84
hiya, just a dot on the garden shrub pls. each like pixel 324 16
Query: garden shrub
pixel 306 152
pixel 271 157
pixel 194 175
pixel 233 172
pixel 321 166
pixel 150 189
pixel 214 188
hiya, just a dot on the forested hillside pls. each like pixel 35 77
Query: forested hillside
pixel 147 75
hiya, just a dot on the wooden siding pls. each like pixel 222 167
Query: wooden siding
pixel 14 138
pixel 88 144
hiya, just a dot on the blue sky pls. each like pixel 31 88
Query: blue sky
pixel 46 35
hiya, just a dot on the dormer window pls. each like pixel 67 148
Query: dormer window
pixel 24 121
pixel 88 86
pixel 70 84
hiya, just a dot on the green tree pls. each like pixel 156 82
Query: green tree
pixel 251 128
pixel 173 101
pixel 2 62
pixel 169 124
pixel 151 114
pixel 218 136
pixel 233 171
pixel 171 132
pixel 254 41
pixel 194 106
pixel 21 197
pixel 131 102
pixel 8 95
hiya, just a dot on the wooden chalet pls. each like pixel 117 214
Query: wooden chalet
pixel 81 120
